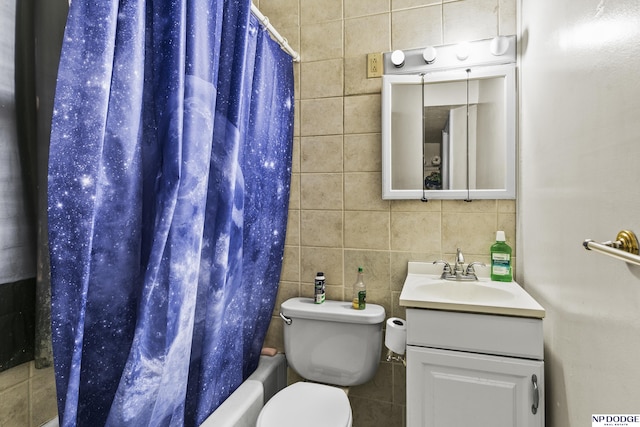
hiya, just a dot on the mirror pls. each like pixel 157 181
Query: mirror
pixel 449 134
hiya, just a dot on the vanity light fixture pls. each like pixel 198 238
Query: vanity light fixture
pixel 462 51
pixel 499 45
pixel 429 54
pixel 465 53
pixel 397 58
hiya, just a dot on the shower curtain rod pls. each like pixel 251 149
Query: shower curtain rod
pixel 283 42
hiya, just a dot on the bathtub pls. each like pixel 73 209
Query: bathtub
pixel 242 408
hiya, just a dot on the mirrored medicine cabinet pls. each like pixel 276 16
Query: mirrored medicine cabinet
pixel 449 125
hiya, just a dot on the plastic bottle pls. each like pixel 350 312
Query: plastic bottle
pixel 501 259
pixel 319 285
pixel 359 301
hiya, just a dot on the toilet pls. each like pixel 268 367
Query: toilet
pixel 331 345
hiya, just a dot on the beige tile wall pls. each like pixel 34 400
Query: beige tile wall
pixel 337 219
pixel 27 396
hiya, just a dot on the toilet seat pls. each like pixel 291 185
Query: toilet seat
pixel 307 404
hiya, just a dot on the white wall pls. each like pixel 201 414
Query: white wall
pixel 579 178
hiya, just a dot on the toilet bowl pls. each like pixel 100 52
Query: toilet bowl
pixel 330 343
pixel 309 405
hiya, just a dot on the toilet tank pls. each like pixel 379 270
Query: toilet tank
pixel 331 342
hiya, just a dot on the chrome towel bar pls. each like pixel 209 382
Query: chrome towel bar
pixel 624 248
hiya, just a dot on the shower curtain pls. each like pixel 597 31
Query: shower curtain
pixel 169 176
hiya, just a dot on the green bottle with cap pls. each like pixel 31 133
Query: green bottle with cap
pixel 501 259
pixel 359 301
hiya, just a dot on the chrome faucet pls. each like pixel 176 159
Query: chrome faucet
pixel 458 267
pixel 459 272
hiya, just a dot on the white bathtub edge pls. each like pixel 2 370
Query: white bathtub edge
pixel 241 409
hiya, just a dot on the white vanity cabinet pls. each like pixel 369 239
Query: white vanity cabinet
pixel 474 369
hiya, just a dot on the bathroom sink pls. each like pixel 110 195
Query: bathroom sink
pixel 464 291
pixel 423 288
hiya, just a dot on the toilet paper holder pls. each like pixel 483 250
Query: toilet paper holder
pixel 393 357
pixel 396 340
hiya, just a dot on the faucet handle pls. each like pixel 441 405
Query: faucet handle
pixel 471 270
pixel 447 267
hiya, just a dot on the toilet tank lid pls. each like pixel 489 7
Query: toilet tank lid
pixel 337 311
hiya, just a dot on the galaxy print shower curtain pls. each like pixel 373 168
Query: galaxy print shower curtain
pixel 169 179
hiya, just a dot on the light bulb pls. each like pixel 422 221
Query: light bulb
pixel 462 51
pixel 397 58
pixel 499 46
pixel 429 54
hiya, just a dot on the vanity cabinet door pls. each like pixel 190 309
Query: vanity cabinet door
pixel 452 389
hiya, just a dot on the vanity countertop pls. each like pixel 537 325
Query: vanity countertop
pixel 423 288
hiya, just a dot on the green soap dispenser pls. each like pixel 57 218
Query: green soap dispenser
pixel 501 259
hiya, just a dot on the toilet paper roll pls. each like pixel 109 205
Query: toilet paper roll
pixel 396 337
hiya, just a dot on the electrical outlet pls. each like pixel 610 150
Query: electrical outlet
pixel 374 65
